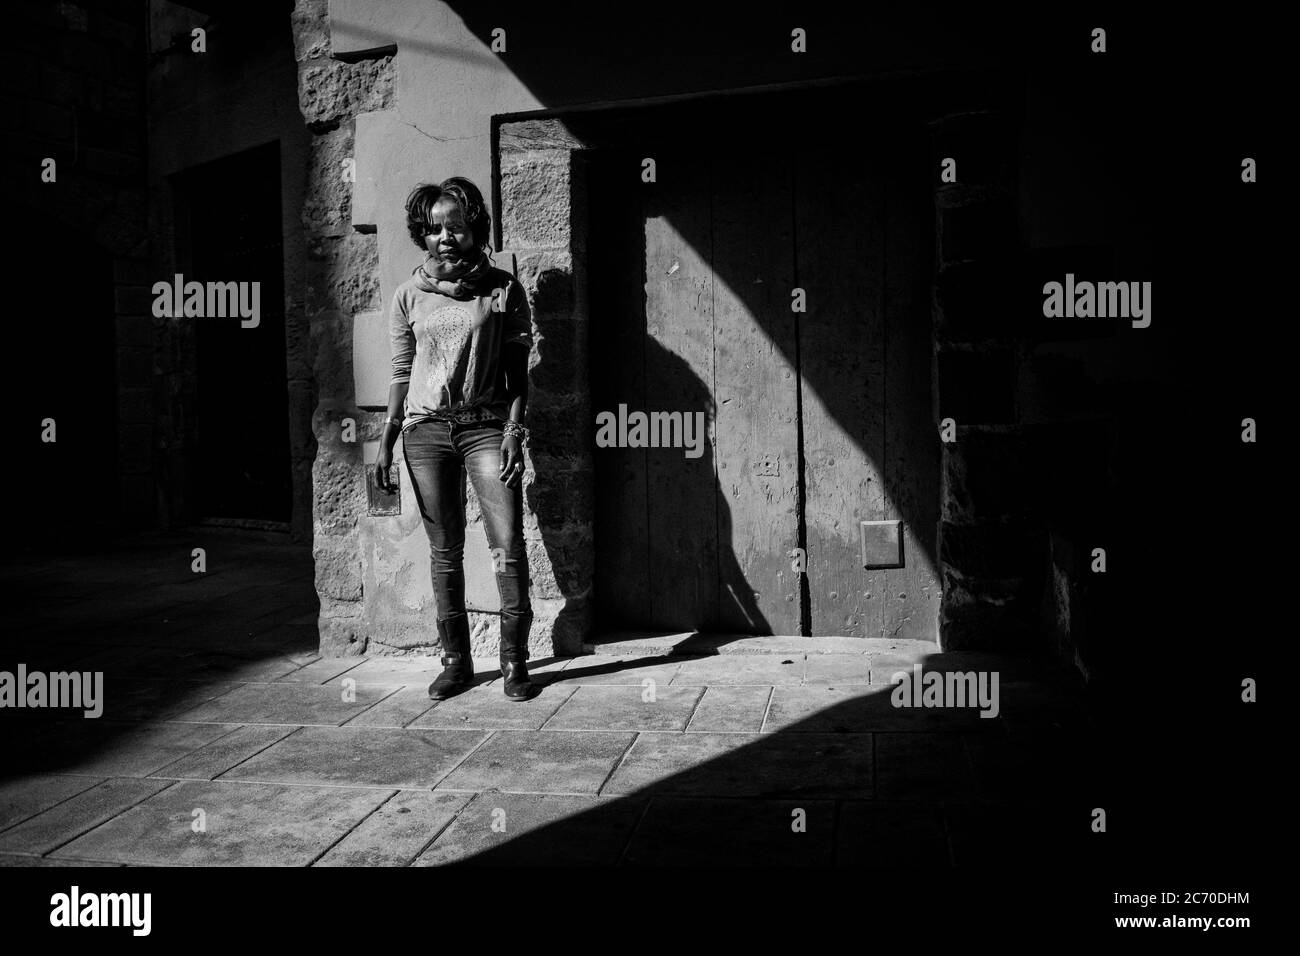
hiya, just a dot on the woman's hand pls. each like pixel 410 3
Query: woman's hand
pixel 383 474
pixel 512 460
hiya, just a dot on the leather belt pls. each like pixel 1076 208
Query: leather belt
pixel 469 416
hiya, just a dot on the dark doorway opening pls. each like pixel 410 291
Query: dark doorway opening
pixel 229 230
pixel 62 339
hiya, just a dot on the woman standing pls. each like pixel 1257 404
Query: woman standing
pixel 461 335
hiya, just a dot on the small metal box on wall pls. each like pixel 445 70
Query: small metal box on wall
pixel 381 503
pixel 882 544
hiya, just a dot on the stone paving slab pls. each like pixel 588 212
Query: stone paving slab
pixel 296 634
pixel 162 663
pixel 63 656
pixel 245 825
pixel 819 710
pixel 837 669
pixel 360 757
pixel 885 665
pixel 399 671
pixel 126 699
pixel 1041 702
pixel 322 669
pixel 1022 769
pixel 146 632
pixel 397 832
pixel 287 704
pixel 638 643
pixel 486 708
pixel 136 750
pixel 1016 836
pixel 303 658
pixel 113 661
pixel 742 669
pixel 9 860
pixel 862 708
pixel 536 829
pixel 540 762
pixel 62 615
pixel 890 836
pixel 247 629
pixel 694 643
pixel 397 710
pixel 738 765
pixel 923 767
pixel 214 759
pixel 49 740
pixel 69 819
pixel 898 656
pixel 616 707
pixel 106 748
pixel 18 627
pixel 738 709
pixel 25 796
pixel 600 669
pixel 254 601
pixel 679 831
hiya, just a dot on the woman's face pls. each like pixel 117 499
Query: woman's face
pixel 448 236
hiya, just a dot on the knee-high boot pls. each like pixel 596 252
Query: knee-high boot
pixel 514 653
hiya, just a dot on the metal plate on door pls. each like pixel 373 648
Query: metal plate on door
pixel 882 544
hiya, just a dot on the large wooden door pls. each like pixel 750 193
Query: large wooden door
pixel 818 419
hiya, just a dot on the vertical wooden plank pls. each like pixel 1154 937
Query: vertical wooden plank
pixel 911 608
pixel 682 525
pixel 617 345
pixel 839 229
pixel 754 350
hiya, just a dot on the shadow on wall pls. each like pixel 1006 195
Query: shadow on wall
pixel 689 559
pixel 664 545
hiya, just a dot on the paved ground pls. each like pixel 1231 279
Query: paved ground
pixel 227 740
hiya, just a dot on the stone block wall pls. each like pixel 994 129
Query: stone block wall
pixel 1023 485
pixel 991 540
pixel 342 279
pixel 543 222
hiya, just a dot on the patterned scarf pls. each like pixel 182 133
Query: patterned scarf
pixel 456 279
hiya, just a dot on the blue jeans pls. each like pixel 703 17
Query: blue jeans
pixel 438 456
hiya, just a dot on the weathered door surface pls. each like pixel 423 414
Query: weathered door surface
pixel 817 420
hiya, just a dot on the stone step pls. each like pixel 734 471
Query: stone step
pixel 694 642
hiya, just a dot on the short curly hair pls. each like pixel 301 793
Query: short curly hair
pixel 420 203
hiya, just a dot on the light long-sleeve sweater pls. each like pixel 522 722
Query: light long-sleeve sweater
pixel 450 349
